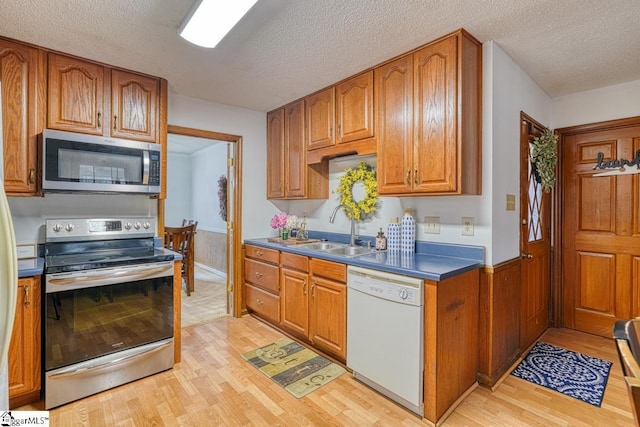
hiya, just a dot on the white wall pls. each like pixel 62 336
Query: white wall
pixel 208 165
pixel 252 126
pixel 607 103
pixel 510 91
pixel 179 189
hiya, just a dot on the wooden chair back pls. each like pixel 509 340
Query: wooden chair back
pixel 627 336
pixel 180 240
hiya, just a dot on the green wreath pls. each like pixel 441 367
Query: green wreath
pixel 366 207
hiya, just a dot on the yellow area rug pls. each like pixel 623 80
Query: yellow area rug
pixel 294 367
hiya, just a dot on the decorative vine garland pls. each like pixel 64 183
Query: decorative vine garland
pixel 358 210
pixel 222 196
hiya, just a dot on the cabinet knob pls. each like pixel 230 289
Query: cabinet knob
pixel 259 301
pixel 258 275
pixel 115 122
pixel 415 177
pixel 409 176
pixel 304 287
pixel 27 303
pixel 259 253
pixel 99 116
pixel 32 176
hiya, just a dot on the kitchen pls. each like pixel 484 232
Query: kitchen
pixel 495 227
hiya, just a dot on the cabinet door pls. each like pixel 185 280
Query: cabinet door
pixel 394 121
pixel 295 165
pixel 22 78
pixel 275 154
pixel 435 118
pixel 320 112
pixel 76 95
pixel 294 301
pixel 328 316
pixel 134 106
pixel 24 349
pixel 354 108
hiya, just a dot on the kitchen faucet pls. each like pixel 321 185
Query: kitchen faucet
pixel 352 237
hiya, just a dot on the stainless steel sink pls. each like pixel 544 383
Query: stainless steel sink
pixel 350 251
pixel 321 246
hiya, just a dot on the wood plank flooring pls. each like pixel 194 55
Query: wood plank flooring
pixel 214 386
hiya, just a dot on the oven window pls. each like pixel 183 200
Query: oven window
pixel 86 323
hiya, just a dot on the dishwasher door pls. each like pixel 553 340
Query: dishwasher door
pixel 385 315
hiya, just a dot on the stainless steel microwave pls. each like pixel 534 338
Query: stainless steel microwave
pixel 77 162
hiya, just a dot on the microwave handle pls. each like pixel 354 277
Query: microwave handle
pixel 145 167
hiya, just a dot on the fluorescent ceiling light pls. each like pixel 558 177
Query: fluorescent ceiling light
pixel 208 21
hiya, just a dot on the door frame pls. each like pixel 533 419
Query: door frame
pixel 558 289
pixel 234 244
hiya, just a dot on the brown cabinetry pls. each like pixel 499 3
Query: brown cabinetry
pixel 288 175
pixel 427 108
pixel 320 119
pixel 22 76
pixel 262 284
pixel 24 349
pixel 354 108
pixel 328 307
pixel 90 98
pixel 294 279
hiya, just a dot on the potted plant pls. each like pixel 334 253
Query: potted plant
pixel 544 157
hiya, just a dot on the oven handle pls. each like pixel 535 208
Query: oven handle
pixel 112 363
pixel 109 277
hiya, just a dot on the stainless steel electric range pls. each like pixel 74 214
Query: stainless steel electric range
pixel 108 317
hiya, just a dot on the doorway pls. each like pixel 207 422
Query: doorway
pixel 535 241
pixel 231 146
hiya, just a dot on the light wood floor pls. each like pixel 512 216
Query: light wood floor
pixel 208 301
pixel 214 386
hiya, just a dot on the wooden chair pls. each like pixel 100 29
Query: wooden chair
pixel 627 336
pixel 180 239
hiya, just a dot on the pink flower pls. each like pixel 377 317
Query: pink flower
pixel 279 220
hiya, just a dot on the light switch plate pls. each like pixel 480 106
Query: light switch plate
pixel 26 251
pixel 467 226
pixel 431 225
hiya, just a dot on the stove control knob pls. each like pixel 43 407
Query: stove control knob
pixel 57 228
pixel 127 226
pixel 69 227
pixel 146 225
pixel 137 226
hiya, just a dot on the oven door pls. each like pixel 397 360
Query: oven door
pixel 93 313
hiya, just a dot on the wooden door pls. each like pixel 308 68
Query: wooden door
pixel 22 77
pixel 295 160
pixel 535 243
pixel 294 301
pixel 24 349
pixel 134 106
pixel 76 96
pixel 275 154
pixel 354 108
pixel 600 229
pixel 435 156
pixel 328 313
pixel 394 125
pixel 320 113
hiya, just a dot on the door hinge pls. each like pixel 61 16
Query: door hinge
pixel 230 161
pixel 229 225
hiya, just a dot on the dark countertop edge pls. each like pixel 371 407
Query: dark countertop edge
pixel 176 255
pixel 464 264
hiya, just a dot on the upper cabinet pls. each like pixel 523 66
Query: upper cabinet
pixel 288 175
pixel 428 127
pixel 354 108
pixel 90 98
pixel 23 82
pixel 320 119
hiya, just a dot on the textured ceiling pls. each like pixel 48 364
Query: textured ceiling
pixel 284 49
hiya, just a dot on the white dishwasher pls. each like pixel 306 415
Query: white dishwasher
pixel 385 316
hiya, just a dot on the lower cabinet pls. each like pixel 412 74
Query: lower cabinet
pixel 328 307
pixel 261 282
pixel 294 279
pixel 24 349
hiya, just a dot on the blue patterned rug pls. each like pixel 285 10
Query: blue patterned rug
pixel 574 374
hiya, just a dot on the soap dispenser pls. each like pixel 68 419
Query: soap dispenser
pixel 381 241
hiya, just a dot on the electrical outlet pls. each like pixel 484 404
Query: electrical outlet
pixel 467 226
pixel 431 225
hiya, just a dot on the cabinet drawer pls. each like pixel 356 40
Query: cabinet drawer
pixel 262 254
pixel 263 275
pixel 329 269
pixel 262 303
pixel 295 262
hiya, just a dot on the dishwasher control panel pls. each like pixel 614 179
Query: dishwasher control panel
pixel 392 287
